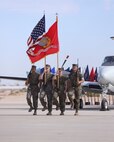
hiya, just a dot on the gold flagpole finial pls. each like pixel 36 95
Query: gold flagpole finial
pixel 57 17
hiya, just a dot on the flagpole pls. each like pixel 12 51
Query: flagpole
pixel 57 55
pixel 45 61
pixel 44 70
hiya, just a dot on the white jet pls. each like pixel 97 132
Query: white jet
pixel 105 84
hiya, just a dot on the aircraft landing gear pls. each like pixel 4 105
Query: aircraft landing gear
pixel 104 105
pixel 104 102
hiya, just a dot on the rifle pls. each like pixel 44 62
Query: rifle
pixel 65 61
pixel 62 68
pixel 77 71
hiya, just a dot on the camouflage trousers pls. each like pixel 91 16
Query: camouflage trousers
pixel 55 100
pixel 29 97
pixel 62 98
pixel 52 99
pixel 32 93
pixel 49 94
pixel 74 97
pixel 71 97
pixel 43 99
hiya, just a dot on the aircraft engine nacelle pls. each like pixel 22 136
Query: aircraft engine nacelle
pixel 92 87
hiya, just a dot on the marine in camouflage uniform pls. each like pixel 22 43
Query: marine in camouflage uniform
pixel 76 79
pixel 43 99
pixel 46 78
pixel 33 89
pixel 43 95
pixel 60 85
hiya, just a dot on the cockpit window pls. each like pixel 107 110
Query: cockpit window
pixel 108 61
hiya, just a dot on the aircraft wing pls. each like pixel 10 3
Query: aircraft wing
pixel 13 78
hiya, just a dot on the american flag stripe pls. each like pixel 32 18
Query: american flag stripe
pixel 38 31
pixel 29 41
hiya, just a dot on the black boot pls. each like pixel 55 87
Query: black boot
pixel 44 108
pixel 76 112
pixel 35 112
pixel 62 113
pixel 49 113
pixel 30 109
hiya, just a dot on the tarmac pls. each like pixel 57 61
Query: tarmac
pixel 19 125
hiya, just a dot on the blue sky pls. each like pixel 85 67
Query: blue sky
pixel 85 28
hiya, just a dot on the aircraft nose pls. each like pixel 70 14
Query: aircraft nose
pixel 106 75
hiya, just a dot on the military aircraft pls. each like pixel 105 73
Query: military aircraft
pixel 104 86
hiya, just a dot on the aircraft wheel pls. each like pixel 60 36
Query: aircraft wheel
pixel 104 105
pixel 81 104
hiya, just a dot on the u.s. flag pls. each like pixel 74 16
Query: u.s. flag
pixel 38 30
pixel 46 45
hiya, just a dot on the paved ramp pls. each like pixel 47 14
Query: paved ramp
pixel 18 125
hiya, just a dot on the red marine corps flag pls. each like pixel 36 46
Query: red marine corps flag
pixel 47 44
